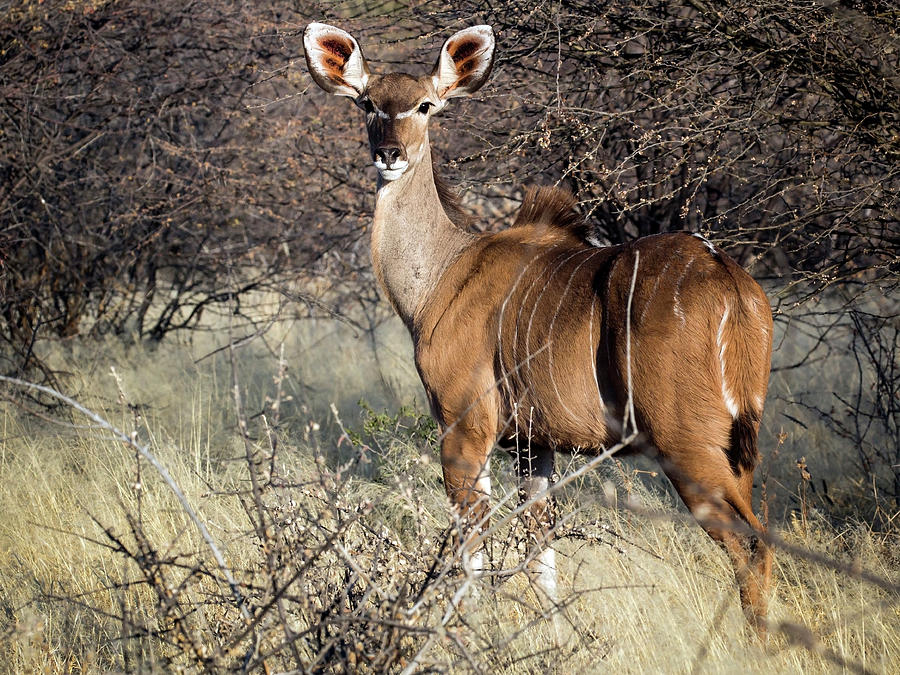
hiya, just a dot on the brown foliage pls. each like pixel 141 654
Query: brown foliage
pixel 144 176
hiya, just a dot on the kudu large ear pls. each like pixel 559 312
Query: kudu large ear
pixel 465 62
pixel 335 60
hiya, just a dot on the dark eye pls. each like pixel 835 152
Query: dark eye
pixel 368 106
pixel 424 107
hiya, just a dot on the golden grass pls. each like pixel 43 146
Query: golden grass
pixel 642 594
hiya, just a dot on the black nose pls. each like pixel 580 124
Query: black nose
pixel 388 154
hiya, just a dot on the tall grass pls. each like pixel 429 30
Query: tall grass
pixel 344 551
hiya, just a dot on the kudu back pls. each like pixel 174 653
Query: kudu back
pixel 523 338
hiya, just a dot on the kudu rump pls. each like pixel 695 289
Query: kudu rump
pixel 524 332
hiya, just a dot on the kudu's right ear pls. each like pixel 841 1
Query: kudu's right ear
pixel 335 60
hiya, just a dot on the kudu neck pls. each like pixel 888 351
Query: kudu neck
pixel 413 239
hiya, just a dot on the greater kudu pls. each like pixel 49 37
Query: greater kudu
pixel 526 328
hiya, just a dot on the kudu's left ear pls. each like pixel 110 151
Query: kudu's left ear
pixel 465 62
pixel 335 60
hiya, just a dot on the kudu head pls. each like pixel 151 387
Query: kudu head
pixel 398 105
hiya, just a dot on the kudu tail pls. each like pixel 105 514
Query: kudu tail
pixel 743 452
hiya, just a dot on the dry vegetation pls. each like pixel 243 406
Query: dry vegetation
pixel 168 187
pixel 341 549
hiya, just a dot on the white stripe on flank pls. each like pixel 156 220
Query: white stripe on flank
pixel 679 312
pixel 720 342
pixel 537 302
pixel 515 345
pixel 550 333
pixel 534 282
pixel 594 356
pixel 503 311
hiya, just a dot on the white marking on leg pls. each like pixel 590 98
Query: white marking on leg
pixel 545 566
pixel 475 563
pixel 483 485
pixel 535 485
pixel 720 341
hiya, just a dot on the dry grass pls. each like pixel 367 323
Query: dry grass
pixel 642 591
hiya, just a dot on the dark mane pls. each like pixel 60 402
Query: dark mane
pixel 543 205
pixel 450 201
pixel 552 207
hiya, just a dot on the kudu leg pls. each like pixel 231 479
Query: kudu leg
pixel 535 469
pixel 721 502
pixel 465 457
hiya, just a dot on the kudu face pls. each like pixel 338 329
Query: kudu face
pixel 397 108
pixel 397 105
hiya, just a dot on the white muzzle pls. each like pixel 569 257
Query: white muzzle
pixel 393 172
